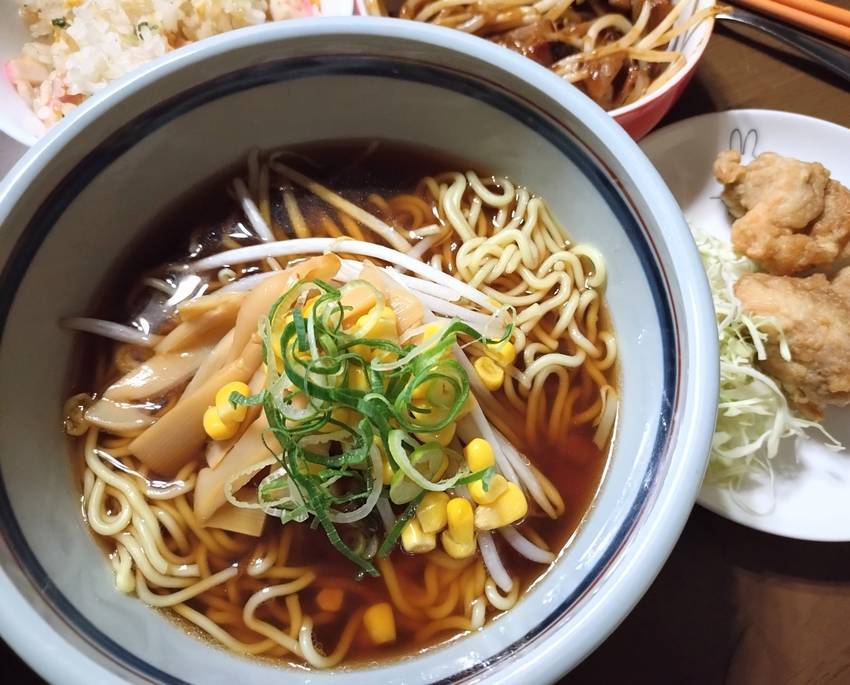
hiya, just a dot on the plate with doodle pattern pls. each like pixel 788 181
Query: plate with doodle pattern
pixel 809 495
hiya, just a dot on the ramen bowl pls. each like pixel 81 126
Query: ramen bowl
pixel 85 192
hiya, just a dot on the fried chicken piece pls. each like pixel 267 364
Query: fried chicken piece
pixel 814 315
pixel 790 215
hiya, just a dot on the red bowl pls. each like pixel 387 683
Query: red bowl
pixel 640 117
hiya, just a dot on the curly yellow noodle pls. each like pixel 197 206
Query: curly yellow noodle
pixel 182 595
pixel 231 589
pixel 505 428
pixel 293 606
pixel 480 577
pixel 342 647
pixel 447 606
pixel 379 202
pixel 175 530
pixel 444 561
pixel 222 636
pixel 227 541
pixel 350 225
pixel 587 415
pixel 598 377
pixel 224 617
pixel 458 623
pixel 553 496
pixel 219 603
pixel 543 336
pixel 185 510
pixel 388 575
pixel 414 207
pixel 329 226
pixel 202 560
pixel 448 256
pixel 510 392
pixel 432 588
pixel 264 595
pixel 496 599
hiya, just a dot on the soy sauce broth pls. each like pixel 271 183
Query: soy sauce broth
pixel 199 224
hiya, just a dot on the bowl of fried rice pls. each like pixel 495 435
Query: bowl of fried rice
pixel 55 54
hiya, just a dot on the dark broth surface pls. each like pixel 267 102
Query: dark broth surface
pixel 354 169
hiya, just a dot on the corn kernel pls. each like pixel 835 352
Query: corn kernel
pixel 420 392
pixel 432 330
pixel 380 623
pixel 504 353
pixel 384 328
pixel 344 415
pixel 431 512
pixel 497 487
pixel 387 472
pixel 479 455
pixel 226 411
pixel 460 520
pixel 509 508
pixel 432 333
pixel 444 436
pixel 415 540
pixel 357 378
pixel 438 391
pixel 302 355
pixel 490 373
pixel 216 428
pixel 330 599
pixel 457 550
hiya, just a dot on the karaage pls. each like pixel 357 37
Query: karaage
pixel 814 315
pixel 790 215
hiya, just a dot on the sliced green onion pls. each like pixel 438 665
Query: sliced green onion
pixel 394 532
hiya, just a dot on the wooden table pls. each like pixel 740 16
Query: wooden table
pixel 731 605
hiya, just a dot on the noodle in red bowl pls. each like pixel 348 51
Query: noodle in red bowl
pixel 633 59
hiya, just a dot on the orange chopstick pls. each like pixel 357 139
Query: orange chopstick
pixel 820 9
pixel 819 25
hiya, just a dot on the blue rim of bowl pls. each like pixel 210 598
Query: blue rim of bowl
pixel 555 132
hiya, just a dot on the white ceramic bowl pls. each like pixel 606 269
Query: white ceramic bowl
pixel 84 192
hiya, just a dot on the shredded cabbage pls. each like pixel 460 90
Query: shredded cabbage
pixel 753 414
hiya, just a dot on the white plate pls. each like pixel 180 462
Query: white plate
pixel 810 498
